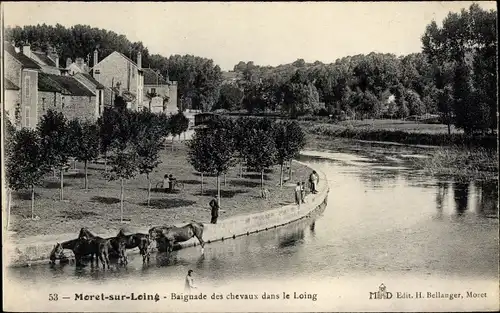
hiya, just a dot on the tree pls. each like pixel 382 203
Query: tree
pixel 179 123
pixel 26 164
pixel 211 151
pixel 124 165
pixel 260 151
pixel 56 147
pixel 468 42
pixel 85 139
pixel 289 140
pixel 148 146
pixel 231 98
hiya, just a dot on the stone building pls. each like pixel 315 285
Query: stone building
pixel 122 76
pixel 165 91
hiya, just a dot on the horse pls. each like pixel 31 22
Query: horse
pixel 137 240
pixel 95 245
pixel 174 234
pixel 58 250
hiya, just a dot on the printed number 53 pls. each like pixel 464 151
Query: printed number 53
pixel 53 297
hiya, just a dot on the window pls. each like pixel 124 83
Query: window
pixel 62 103
pixel 27 116
pixel 153 90
pixel 43 104
pixel 97 72
pixel 27 86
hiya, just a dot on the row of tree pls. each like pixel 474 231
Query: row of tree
pixel 257 142
pixel 129 141
pixel 454 76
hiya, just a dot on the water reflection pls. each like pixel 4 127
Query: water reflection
pixel 441 194
pixel 487 198
pixel 461 196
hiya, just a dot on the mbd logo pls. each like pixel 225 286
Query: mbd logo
pixel 381 293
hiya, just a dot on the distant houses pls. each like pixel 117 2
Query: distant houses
pixel 35 81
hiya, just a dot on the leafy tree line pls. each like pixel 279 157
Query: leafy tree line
pixel 130 141
pixel 259 143
pixel 454 76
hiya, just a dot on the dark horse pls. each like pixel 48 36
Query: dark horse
pixel 137 240
pixel 173 234
pixel 94 245
pixel 58 250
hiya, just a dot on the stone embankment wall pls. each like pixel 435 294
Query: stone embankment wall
pixel 27 251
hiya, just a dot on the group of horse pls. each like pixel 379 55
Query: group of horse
pixel 100 249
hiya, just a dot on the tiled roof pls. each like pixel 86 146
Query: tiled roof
pixel 71 85
pixel 152 77
pixel 46 83
pixel 24 60
pixel 44 58
pixel 10 85
pixel 92 80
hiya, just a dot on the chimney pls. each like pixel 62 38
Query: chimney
pixel 96 55
pixel 27 50
pixel 68 62
pixel 139 60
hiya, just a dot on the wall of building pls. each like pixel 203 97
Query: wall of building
pixel 12 98
pixel 29 98
pixel 48 100
pixel 116 69
pixel 82 107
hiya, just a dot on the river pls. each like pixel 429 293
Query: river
pixel 383 223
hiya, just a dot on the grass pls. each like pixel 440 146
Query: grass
pixel 459 162
pixel 99 207
pixel 405 132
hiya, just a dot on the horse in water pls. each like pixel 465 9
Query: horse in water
pixel 174 234
pixel 58 250
pixel 137 240
pixel 94 245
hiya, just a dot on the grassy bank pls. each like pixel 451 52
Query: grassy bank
pixel 460 163
pixel 405 132
pixel 99 207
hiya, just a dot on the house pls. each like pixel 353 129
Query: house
pixel 122 76
pixel 42 85
pixel 68 95
pixel 164 89
pixel 22 71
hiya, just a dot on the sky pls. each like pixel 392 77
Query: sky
pixel 264 32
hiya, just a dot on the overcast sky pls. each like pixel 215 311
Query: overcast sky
pixel 266 33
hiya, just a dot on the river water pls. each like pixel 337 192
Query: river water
pixel 383 223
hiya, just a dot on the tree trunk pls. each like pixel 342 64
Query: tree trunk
pixel 32 201
pixel 86 176
pixel 105 162
pixel 218 189
pixel 185 136
pixel 281 174
pixel 202 183
pixel 149 189
pixel 62 184
pixel 150 104
pixel 9 201
pixel 121 200
pixel 173 142
pixel 290 171
pixel 262 179
pixel 74 164
pixel 225 184
pixel 241 168
pixel 54 172
pixel 449 127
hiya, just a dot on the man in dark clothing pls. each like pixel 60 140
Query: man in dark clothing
pixel 214 205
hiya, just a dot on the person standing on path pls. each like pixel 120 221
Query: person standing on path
pixel 313 180
pixel 303 192
pixel 189 285
pixel 166 183
pixel 214 205
pixel 298 193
